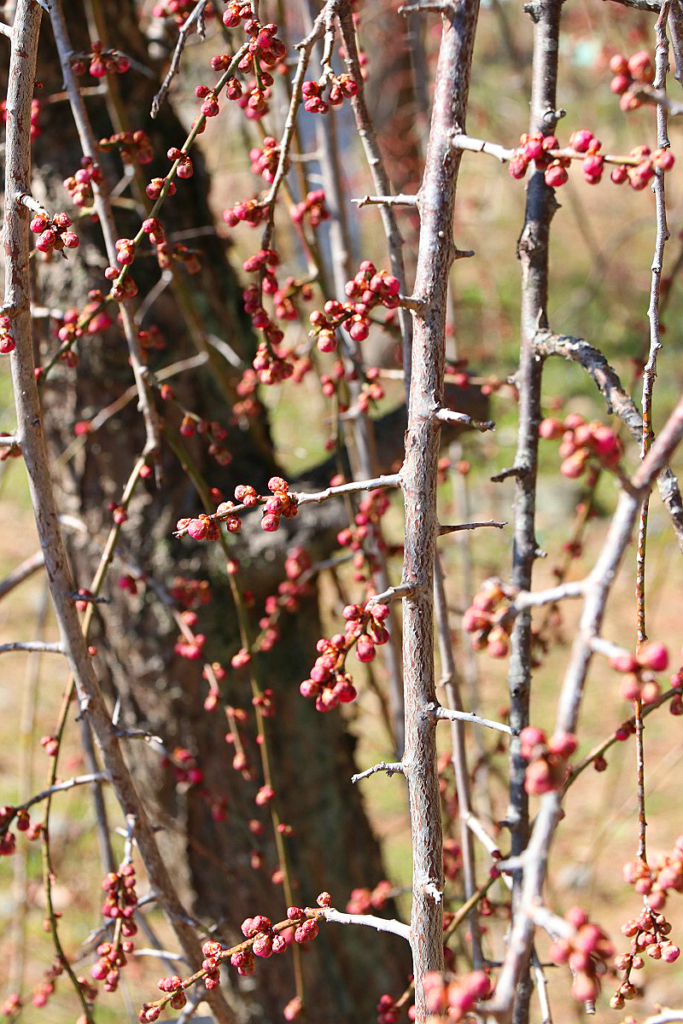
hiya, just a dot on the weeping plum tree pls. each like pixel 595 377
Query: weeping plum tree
pixel 182 559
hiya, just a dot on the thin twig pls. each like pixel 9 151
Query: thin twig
pixel 22 572
pixel 459 527
pixel 451 714
pixel 37 646
pixel 369 921
pixel 391 768
pixel 184 34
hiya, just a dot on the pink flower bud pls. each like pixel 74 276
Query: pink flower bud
pixel 653 656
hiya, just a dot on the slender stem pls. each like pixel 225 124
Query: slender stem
pixel 533 252
pixel 649 375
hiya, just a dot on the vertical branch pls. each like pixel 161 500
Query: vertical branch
pixel 419 477
pixel 649 375
pixel 34 450
pixel 533 254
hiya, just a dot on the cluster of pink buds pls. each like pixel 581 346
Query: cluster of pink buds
pixel 480 619
pixel 7 342
pixel 643 167
pixel 250 211
pixel 329 682
pixel 654 880
pixel 185 767
pixel 637 168
pixel 53 232
pixel 264 46
pixel 649 934
pixel 287 598
pixel 151 340
pixel 452 858
pixel 265 161
pixel 281 502
pixel 388 1011
pixel 215 433
pixel 184 169
pixel 586 952
pixel 121 898
pixel 366 525
pixel 283 305
pixel 190 593
pixel 173 986
pixel 582 440
pixel 79 185
pixel 70 329
pixel 50 744
pixel 629 73
pixel 100 62
pixel 368 289
pixel 22 822
pixel 46 988
pixel 112 957
pixel 547 768
pixel 134 147
pixel 122 289
pixel 193 648
pixel 266 943
pixel 450 998
pixel 341 87
pixel 313 207
pixel 638 681
pixel 179 10
pixel 365 901
pixel 156 186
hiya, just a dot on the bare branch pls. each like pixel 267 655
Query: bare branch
pixel 368 921
pixel 21 573
pixel 449 714
pixel 451 416
pixel 391 768
pixel 37 646
pixel 398 200
pixel 398 592
pixel 63 787
pixel 184 33
pixel 459 527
